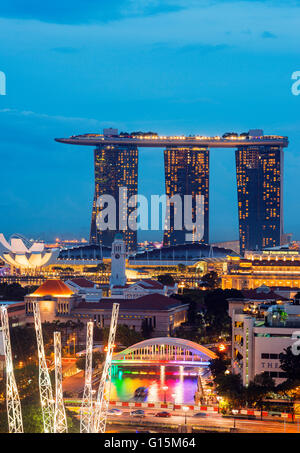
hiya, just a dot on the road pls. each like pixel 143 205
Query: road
pixel 213 422
pixel 216 422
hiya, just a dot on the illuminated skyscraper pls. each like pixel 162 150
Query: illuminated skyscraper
pixel 259 183
pixel 115 167
pixel 186 173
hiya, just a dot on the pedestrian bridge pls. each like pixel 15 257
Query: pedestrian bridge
pixel 165 350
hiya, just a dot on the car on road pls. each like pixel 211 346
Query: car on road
pixel 138 413
pixel 200 414
pixel 114 412
pixel 163 414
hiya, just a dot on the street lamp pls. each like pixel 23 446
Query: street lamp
pixel 235 412
pixel 219 399
pixel 174 398
pixel 165 388
pixel 185 409
pixel 74 340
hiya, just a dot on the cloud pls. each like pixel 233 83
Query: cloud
pixel 65 49
pixel 267 34
pixel 202 48
pixel 135 24
pixel 85 11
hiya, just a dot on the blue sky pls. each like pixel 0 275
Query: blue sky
pixel 173 66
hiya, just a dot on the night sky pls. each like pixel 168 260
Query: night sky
pixel 171 66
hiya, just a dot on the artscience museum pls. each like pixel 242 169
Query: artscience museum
pixel 22 253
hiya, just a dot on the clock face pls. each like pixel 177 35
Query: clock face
pixel 117 256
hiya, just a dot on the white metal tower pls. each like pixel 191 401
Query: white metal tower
pixel 14 413
pixel 60 418
pixel 103 395
pixel 86 413
pixel 46 394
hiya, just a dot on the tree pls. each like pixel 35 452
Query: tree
pixel 230 386
pixel 166 280
pixel 257 389
pixel 216 315
pixel 290 364
pixel 218 366
pixel 125 336
pixel 211 280
pixel 23 343
pixel 98 359
pixel 33 420
pixel 14 291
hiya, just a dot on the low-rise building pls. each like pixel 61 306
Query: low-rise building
pixel 255 298
pixel 143 288
pixel 85 288
pixel 259 336
pixel 158 313
pixel 250 274
pixel 57 301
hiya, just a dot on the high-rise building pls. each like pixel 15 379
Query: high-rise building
pixel 186 173
pixel 115 167
pixel 259 169
pixel 259 183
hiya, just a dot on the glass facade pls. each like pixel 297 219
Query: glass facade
pixel 186 173
pixel 259 184
pixel 115 167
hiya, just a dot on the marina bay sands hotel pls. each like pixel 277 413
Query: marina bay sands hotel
pixel 259 175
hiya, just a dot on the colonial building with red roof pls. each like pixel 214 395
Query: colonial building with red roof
pixel 147 286
pixel 55 299
pixel 86 288
pixel 160 313
pixel 155 311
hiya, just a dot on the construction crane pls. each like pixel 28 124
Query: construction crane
pixel 14 412
pixel 86 412
pixel 46 394
pixel 60 418
pixel 101 407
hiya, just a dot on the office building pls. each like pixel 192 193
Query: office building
pixel 186 173
pixel 259 172
pixel 115 167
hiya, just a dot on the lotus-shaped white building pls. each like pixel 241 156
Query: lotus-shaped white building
pixel 24 254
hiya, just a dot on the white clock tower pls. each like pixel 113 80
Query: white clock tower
pixel 118 262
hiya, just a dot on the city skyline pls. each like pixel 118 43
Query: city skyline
pixel 259 173
pixel 150 236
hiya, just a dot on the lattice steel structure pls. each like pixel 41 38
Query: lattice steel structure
pixel 101 407
pixel 86 412
pixel 60 418
pixel 46 394
pixel 14 413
